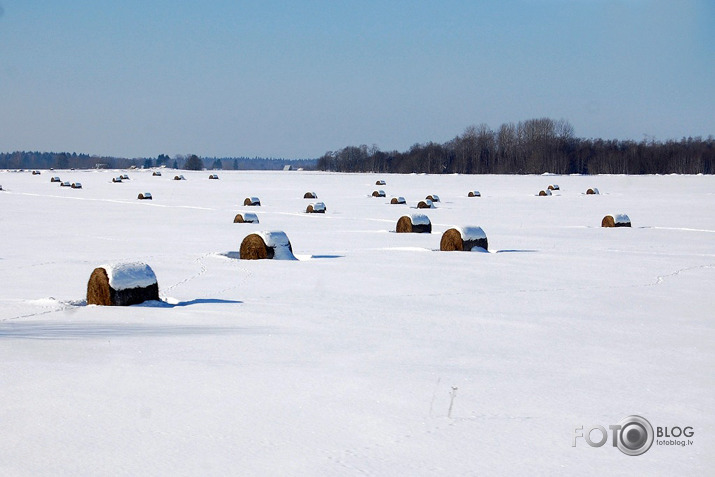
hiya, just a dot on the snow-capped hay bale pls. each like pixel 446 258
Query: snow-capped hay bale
pixel 116 179
pixel 213 176
pixel 310 195
pixel 425 204
pixel 76 185
pixel 378 193
pixel 546 192
pixel 433 197
pixel 180 178
pixel 36 173
pixel 65 184
pixel 616 220
pixel 245 218
pixel 380 182
pixel 415 223
pixel 398 200
pixel 266 245
pixel 316 208
pixel 55 179
pixel 144 196
pixel 553 187
pixel 252 201
pixel 122 284
pixel 124 177
pixel 474 193
pixel 464 239
pixel 592 191
pixel 156 174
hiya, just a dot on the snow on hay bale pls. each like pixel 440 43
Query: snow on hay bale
pixel 122 284
pixel 310 195
pixel 144 196
pixel 156 174
pixel 65 184
pixel 213 176
pixel 55 179
pixel 76 185
pixel 553 187
pixel 474 193
pixel 179 178
pixel 378 193
pixel 433 197
pixel 266 245
pixel 616 220
pixel 545 192
pixel 415 223
pixel 592 191
pixel 116 179
pixel 245 218
pixel 425 204
pixel 316 208
pixel 252 201
pixel 124 177
pixel 398 200
pixel 380 182
pixel 36 173
pixel 464 239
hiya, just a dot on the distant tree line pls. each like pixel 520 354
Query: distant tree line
pixel 66 160
pixel 533 146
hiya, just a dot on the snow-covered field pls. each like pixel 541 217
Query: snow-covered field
pixel 373 353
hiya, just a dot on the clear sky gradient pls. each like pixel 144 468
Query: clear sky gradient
pixel 138 78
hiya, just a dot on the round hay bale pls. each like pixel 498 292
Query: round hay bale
pixel 55 179
pixel 546 192
pixel 425 204
pixel 36 173
pixel 144 196
pixel 474 193
pixel 592 191
pixel 213 176
pixel 417 223
pixel 380 182
pixel 252 201
pixel 378 193
pixel 432 197
pixel 616 220
pixel 65 184
pixel 124 177
pixel 156 174
pixel 310 195
pixel 116 179
pixel 398 200
pixel 245 218
pixel 76 185
pixel 266 245
pixel 122 285
pixel 463 239
pixel 553 187
pixel 316 208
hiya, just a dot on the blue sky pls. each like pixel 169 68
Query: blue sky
pixel 295 79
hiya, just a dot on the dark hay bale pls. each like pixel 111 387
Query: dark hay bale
pixel 245 218
pixel 617 220
pixel 266 245
pixel 432 197
pixel 544 192
pixel 156 174
pixel 474 193
pixel 180 178
pixel 252 201
pixel 406 225
pixel 425 204
pixel 254 248
pixel 213 176
pixel 100 292
pixel 553 187
pixel 55 179
pixel 310 195
pixel 378 193
pixel 36 173
pixel 380 182
pixel 144 196
pixel 318 208
pixel 593 191
pixel 76 185
pixel 65 184
pixel 452 239
pixel 124 177
pixel 397 200
pixel 116 179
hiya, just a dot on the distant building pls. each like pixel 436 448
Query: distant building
pixel 287 167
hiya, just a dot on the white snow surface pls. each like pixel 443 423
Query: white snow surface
pixel 123 276
pixel 344 362
pixel 420 219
